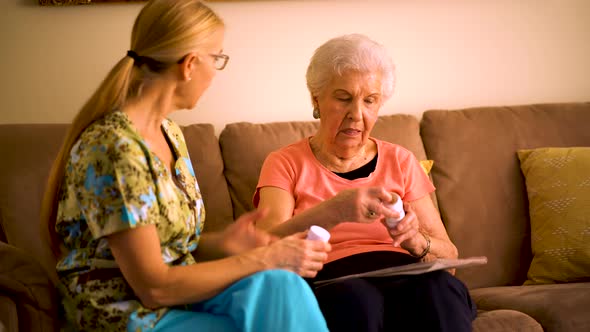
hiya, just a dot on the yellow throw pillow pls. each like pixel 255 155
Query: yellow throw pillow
pixel 558 188
pixel 426 165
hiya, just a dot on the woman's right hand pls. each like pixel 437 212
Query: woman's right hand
pixel 363 205
pixel 295 253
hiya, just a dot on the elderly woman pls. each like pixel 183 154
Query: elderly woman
pixel 341 179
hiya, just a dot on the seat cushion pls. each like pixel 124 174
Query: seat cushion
pixel 503 320
pixel 557 307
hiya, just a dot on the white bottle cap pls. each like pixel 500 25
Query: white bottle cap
pixel 318 233
pixel 397 206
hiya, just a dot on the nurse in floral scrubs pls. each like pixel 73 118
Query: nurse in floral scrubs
pixel 124 213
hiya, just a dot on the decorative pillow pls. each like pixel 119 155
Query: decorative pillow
pixel 558 188
pixel 426 165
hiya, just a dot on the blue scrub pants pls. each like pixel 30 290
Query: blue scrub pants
pixel 273 300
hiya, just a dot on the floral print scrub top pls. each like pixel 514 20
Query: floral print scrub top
pixel 113 182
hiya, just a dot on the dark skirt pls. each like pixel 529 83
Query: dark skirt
pixel 434 301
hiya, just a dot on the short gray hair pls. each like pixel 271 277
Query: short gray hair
pixel 350 52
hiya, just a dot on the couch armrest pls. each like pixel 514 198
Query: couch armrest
pixel 27 284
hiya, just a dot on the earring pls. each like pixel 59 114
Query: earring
pixel 316 113
pixel 189 78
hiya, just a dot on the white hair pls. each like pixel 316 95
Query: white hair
pixel 354 52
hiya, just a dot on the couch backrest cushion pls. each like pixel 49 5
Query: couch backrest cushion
pixel 203 148
pixel 27 152
pixel 480 188
pixel 245 146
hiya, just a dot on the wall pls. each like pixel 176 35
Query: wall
pixel 449 54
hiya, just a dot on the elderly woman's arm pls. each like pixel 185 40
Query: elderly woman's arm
pixel 280 204
pixel 348 205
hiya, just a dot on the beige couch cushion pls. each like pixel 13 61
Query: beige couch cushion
pixel 245 146
pixel 505 321
pixel 203 148
pixel 28 151
pixel 558 308
pixel 481 191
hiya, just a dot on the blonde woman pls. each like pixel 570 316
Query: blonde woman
pixel 124 212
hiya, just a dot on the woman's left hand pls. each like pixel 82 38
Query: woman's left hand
pixel 242 234
pixel 406 233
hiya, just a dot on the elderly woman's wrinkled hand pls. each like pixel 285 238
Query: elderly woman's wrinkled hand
pixel 364 205
pixel 406 233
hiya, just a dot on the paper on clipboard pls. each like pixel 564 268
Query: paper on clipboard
pixel 414 268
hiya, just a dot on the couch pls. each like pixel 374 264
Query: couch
pixel 481 196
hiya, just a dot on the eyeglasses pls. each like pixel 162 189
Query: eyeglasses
pixel 220 60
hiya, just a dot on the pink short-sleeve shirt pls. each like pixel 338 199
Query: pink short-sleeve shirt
pixel 295 169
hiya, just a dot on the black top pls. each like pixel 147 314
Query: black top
pixel 361 172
